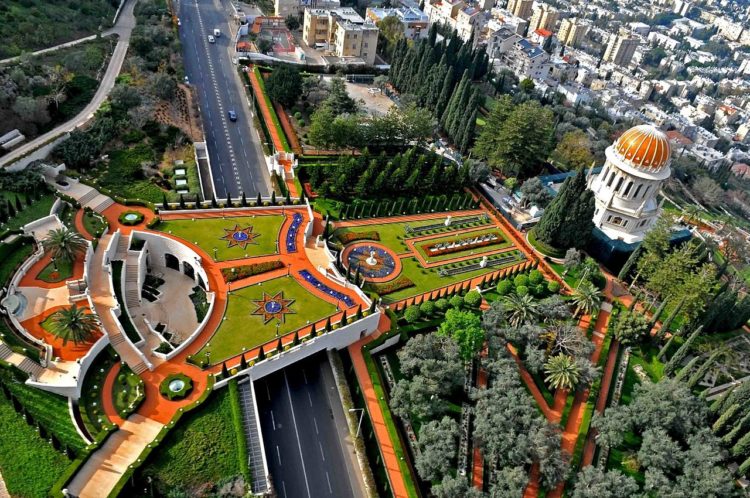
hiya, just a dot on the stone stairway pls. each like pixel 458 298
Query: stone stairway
pixel 31 367
pixel 116 339
pixel 122 247
pixel 86 198
pixel 254 439
pixel 132 292
pixel 5 351
pixel 139 368
pixel 100 203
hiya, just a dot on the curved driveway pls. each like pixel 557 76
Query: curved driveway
pixel 123 28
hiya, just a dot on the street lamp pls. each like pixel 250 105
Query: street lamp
pixel 278 323
pixel 54 263
pixel 215 253
pixel 361 416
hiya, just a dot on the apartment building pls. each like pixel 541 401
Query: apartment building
pixel 543 17
pixel 527 60
pixel 454 13
pixel 520 8
pixel 416 24
pixel 620 48
pixel 572 32
pixel 341 31
pixel 284 8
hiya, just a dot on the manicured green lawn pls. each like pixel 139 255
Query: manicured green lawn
pixel 200 451
pixel 12 255
pixel 544 248
pixel 29 465
pixel 428 279
pixel 38 209
pixel 52 274
pixel 498 244
pixel 93 223
pixel 392 234
pixel 49 409
pixel 241 328
pixel 208 234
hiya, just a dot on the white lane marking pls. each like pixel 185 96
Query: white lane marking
pixel 309 398
pixel 304 374
pixel 296 432
pixel 283 488
pixel 320 445
pixel 278 454
pixel 330 490
pixel 315 421
pixel 273 420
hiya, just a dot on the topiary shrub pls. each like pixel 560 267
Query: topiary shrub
pixel 553 287
pixel 504 287
pixel 427 308
pixel 412 314
pixel 535 277
pixel 456 302
pixel 522 290
pixel 441 304
pixel 521 281
pixel 473 298
pixel 540 290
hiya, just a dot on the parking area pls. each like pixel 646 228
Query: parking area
pixel 374 102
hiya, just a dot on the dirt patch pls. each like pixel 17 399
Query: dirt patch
pixel 182 113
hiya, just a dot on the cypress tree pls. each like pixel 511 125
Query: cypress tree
pixel 675 360
pixel 273 198
pixel 657 314
pixel 567 221
pixel 29 201
pixel 243 362
pixel 182 201
pixel 214 204
pixel 11 210
pixel 261 354
pixel 445 94
pixel 625 270
pixel 373 306
pixel 328 324
pixel 666 323
pixel 295 341
pixel 687 368
pixel 703 369
pixel 343 319
pixel 258 200
pixel 725 417
pixel 164 203
pixel 224 371
pixel 279 346
pixel 243 200
pixel 19 205
pixel 740 427
pixel 288 199
pixel 313 332
pixel 665 348
pixel 229 200
pixel 359 312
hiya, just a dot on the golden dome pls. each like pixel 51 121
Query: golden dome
pixel 644 147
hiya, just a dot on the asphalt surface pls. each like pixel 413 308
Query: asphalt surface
pixel 301 419
pixel 237 163
pixel 123 28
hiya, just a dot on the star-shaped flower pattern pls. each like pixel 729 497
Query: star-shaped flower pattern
pixel 240 236
pixel 271 307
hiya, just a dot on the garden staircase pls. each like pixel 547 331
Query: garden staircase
pixel 122 247
pixel 5 351
pixel 139 368
pixel 132 292
pixel 31 367
pixel 100 203
pixel 255 455
pixel 89 196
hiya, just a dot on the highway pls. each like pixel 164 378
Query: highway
pixel 237 162
pixel 304 430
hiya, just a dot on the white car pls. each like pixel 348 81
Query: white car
pixel 211 39
pixel 217 33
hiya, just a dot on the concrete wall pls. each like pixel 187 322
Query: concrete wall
pixel 160 245
pixel 336 339
pixel 211 297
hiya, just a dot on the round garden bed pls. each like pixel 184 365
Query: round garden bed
pixel 130 218
pixel 176 386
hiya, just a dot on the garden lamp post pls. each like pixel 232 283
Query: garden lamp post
pixel 361 416
pixel 278 323
pixel 54 263
pixel 215 253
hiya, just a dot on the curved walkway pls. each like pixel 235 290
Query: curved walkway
pixel 123 28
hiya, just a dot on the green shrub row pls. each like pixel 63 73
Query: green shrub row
pixel 244 271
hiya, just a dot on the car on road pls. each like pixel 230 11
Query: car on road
pixel 211 39
pixel 217 33
pixel 179 23
pixel 232 115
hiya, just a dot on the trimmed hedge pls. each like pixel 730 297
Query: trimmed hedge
pixel 385 288
pixel 123 218
pixel 173 395
pixel 239 431
pixel 244 271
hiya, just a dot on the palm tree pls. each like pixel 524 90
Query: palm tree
pixel 520 310
pixel 74 323
pixel 562 372
pixel 587 298
pixel 64 244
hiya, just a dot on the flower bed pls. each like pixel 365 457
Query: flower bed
pixel 244 271
pixel 176 386
pixel 130 218
pixel 385 288
pixel 462 247
pixel 349 237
